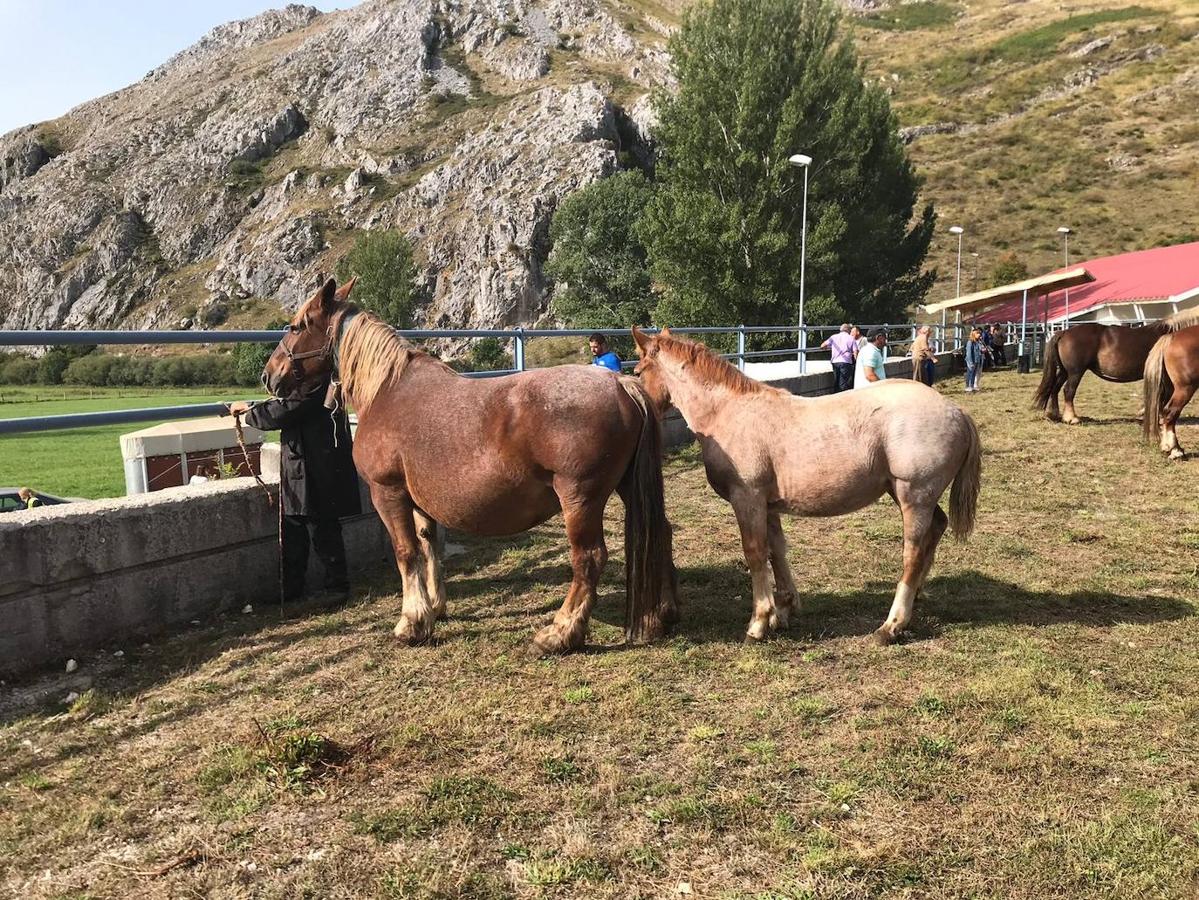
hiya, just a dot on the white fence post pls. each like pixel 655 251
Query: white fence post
pixel 518 348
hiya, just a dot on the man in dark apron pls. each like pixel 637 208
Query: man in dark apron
pixel 319 485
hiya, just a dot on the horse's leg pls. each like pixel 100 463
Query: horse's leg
pixel 588 556
pixel 917 523
pixel 1174 407
pixel 931 541
pixel 431 537
pixel 786 598
pixel 1069 416
pixel 1054 413
pixel 755 542
pixel 396 510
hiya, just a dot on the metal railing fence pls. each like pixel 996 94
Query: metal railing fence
pixel 945 338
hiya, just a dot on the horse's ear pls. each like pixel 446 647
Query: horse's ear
pixel 344 291
pixel 665 332
pixel 327 296
pixel 642 340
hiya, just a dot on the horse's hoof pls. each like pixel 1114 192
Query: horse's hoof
pixel 409 635
pixel 1177 454
pixel 883 638
pixel 780 619
pixel 549 641
pixel 1073 421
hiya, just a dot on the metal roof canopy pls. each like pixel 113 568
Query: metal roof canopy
pixel 1044 284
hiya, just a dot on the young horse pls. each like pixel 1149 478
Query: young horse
pixel 491 456
pixel 1113 352
pixel 1171 378
pixel 768 452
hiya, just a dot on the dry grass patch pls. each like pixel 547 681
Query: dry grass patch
pixel 1033 737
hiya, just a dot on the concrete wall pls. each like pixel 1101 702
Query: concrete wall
pixel 107 572
pixel 103 573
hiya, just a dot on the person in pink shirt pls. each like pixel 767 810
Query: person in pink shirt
pixel 844 353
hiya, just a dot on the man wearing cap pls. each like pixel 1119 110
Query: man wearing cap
pixel 871 365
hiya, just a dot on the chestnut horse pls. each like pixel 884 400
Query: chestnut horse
pixel 1171 378
pixel 1113 352
pixel 491 456
pixel 769 452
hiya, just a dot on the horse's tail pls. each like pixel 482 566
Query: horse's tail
pixel 1049 375
pixel 651 585
pixel 1157 387
pixel 963 495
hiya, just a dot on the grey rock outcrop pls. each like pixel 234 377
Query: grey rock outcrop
pixel 245 164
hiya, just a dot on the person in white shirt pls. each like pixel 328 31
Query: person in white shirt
pixel 871 365
pixel 200 477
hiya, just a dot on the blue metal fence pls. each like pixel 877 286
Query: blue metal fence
pixel 949 337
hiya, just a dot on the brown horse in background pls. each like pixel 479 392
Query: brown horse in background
pixel 1113 352
pixel 491 456
pixel 769 452
pixel 1171 378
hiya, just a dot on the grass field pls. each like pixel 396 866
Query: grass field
pixel 81 462
pixel 1035 736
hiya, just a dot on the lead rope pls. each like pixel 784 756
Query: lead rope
pixel 241 442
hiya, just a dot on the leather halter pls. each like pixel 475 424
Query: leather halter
pixel 328 351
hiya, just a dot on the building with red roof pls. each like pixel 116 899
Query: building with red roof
pixel 1129 287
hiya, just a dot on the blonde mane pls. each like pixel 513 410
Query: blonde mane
pixel 709 367
pixel 371 357
pixel 1182 319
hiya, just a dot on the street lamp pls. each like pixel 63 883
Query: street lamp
pixel 1065 233
pixel 803 162
pixel 955 229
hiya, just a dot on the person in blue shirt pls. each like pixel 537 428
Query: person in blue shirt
pixel 601 355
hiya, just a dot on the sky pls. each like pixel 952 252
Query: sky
pixel 59 53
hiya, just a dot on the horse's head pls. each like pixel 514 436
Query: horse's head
pixel 304 357
pixel 650 368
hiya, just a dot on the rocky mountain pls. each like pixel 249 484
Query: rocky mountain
pixel 219 185
pixel 241 167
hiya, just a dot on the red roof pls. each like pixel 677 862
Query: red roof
pixel 1144 275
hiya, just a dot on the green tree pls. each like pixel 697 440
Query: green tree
pixel 598 260
pixel 386 272
pixel 54 362
pixel 1008 268
pixel 760 80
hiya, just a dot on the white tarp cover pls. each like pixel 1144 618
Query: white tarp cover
pixel 190 436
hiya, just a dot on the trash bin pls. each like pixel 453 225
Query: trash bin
pixel 1023 363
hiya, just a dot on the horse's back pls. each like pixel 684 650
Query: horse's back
pixel 915 429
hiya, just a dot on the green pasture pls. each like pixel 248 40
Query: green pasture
pixel 81 462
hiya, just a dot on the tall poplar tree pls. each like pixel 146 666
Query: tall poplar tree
pixel 758 81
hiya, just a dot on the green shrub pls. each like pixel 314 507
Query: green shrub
pixel 382 261
pixel 18 370
pixel 486 355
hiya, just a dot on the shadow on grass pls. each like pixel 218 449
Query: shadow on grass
pixel 716 607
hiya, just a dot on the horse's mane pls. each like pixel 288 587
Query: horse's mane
pixel 372 356
pixel 1182 319
pixel 709 367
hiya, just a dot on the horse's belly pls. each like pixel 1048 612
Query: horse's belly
pixel 826 503
pixel 489 509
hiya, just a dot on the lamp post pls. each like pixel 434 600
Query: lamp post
pixel 803 162
pixel 955 229
pixel 1065 233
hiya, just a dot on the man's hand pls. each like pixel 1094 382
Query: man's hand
pixel 239 408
